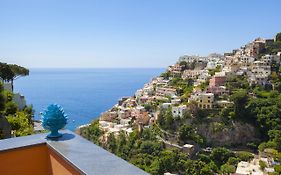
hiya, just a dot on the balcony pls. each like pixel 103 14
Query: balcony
pixel 68 155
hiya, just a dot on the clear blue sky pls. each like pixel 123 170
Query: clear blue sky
pixel 128 33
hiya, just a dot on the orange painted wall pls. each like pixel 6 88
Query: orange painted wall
pixel 59 166
pixel 25 161
pixel 34 160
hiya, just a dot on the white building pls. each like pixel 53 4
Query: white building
pixel 178 111
pixel 246 168
pixel 176 101
pixel 166 105
pixel 270 58
pixel 211 65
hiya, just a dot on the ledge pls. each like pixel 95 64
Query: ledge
pixel 81 154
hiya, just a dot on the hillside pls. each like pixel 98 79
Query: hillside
pixel 203 115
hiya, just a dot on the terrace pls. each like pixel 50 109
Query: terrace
pixel 68 155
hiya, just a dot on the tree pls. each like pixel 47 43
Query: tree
pixel 166 119
pixel 278 37
pixel 275 136
pixel 227 169
pixel 233 161
pixel 92 132
pixel 6 73
pixel 11 108
pixel 111 143
pixel 220 155
pixel 185 132
pixel 277 169
pixel 151 147
pixel 244 155
pixel 10 72
pixel 240 99
pixel 197 168
pixel 18 72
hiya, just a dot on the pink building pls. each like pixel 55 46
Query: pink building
pixel 217 80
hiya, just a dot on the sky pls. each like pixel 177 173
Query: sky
pixel 128 33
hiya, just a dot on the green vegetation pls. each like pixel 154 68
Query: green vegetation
pixel 186 132
pixel 92 132
pixel 166 119
pixel 20 120
pixel 262 165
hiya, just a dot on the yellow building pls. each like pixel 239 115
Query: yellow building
pixel 204 100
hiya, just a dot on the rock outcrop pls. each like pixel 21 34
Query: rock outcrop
pixel 236 133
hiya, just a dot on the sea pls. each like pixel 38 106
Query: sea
pixel 83 93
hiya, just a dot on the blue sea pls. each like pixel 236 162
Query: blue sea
pixel 83 93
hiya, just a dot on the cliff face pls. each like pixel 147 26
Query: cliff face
pixel 237 133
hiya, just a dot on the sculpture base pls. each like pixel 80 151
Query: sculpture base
pixel 54 134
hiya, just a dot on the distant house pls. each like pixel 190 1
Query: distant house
pixel 165 91
pixel 191 74
pixel 124 113
pixel 246 168
pixel 166 105
pixel 254 48
pixel 192 58
pixel 109 116
pixel 268 59
pixel 178 111
pixel 188 148
pixel 224 103
pixel 259 74
pixel 211 65
pixel 217 90
pixel 246 60
pixel 175 68
pixel 176 101
pixel 217 80
pixel 204 100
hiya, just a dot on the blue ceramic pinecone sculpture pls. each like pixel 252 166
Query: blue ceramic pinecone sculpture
pixel 53 119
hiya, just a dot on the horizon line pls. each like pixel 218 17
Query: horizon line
pixel 96 67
